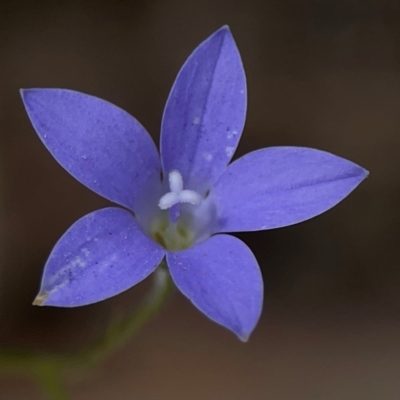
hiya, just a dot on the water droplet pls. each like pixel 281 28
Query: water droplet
pixel 229 151
pixel 232 134
pixel 208 156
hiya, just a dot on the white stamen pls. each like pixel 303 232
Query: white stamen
pixel 175 181
pixel 177 194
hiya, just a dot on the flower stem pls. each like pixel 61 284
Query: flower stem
pixel 49 380
pixel 119 333
pixel 48 368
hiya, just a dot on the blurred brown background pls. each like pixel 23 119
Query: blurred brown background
pixel 324 74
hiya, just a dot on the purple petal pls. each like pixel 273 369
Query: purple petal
pixel 222 279
pixel 101 255
pixel 280 186
pixel 99 144
pixel 205 112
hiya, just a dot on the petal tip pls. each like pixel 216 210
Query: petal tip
pixel 361 175
pixel 40 299
pixel 225 28
pixel 244 334
pixel 26 95
pixel 221 33
pixel 23 92
pixel 244 337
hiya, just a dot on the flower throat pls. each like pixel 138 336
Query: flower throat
pixel 174 227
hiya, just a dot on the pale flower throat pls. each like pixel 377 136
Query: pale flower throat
pixel 179 224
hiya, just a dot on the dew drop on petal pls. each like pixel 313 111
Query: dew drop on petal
pixel 229 151
pixel 232 134
pixel 208 156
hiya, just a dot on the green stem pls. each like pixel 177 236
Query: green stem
pixel 47 367
pixel 119 333
pixel 49 380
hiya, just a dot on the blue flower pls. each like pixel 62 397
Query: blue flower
pixel 182 204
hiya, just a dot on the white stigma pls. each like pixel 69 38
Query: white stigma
pixel 177 193
pixel 175 181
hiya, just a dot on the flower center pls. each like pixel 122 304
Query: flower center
pixel 183 216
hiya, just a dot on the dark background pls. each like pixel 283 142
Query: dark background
pixel 323 74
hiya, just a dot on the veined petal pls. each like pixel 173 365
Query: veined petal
pixel 98 143
pixel 205 112
pixel 100 256
pixel 222 279
pixel 280 186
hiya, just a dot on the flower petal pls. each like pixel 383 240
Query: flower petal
pixel 101 255
pixel 222 279
pixel 99 144
pixel 280 186
pixel 205 112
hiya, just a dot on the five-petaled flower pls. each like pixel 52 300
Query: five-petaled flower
pixel 182 204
